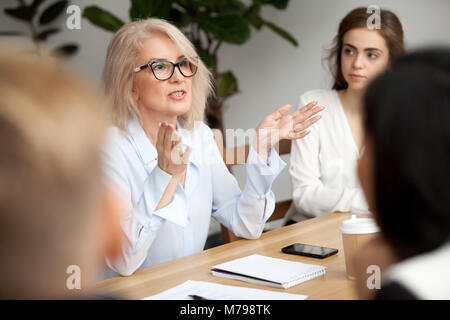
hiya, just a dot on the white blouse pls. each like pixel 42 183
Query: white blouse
pixel 181 228
pixel 323 164
pixel 425 275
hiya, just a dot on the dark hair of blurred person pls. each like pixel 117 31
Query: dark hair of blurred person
pixel 405 172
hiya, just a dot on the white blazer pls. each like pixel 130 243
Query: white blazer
pixel 323 164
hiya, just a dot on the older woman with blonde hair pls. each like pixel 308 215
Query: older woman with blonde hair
pixel 163 160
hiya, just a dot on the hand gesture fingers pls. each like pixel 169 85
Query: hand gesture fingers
pixel 297 135
pixel 280 125
pixel 176 154
pixel 302 119
pixel 160 138
pixel 168 138
pixel 279 113
pixel 187 154
pixel 170 150
pixel 176 138
pixel 306 124
pixel 306 112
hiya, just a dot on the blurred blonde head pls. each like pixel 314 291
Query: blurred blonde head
pixel 51 130
pixel 122 58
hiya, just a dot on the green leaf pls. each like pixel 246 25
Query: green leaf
pixel 24 13
pixel 229 28
pixel 279 4
pixel 281 32
pixel 141 9
pixel 234 6
pixel 253 17
pixel 188 5
pixel 102 18
pixel 36 3
pixel 65 50
pixel 46 33
pixel 206 58
pixel 180 19
pixel 53 12
pixel 225 6
pixel 228 85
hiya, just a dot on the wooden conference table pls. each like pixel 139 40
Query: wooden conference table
pixel 321 231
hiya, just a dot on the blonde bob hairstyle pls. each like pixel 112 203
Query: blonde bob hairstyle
pixel 121 59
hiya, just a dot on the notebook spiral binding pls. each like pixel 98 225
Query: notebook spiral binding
pixel 308 275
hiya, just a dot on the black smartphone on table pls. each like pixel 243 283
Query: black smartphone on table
pixel 307 250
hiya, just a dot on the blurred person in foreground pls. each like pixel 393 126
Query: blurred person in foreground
pixel 56 218
pixel 405 175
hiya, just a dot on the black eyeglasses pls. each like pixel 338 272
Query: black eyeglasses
pixel 163 69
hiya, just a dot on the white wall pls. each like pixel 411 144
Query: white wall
pixel 271 71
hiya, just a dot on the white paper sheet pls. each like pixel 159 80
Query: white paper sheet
pixel 215 291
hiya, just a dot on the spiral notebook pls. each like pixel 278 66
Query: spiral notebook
pixel 268 271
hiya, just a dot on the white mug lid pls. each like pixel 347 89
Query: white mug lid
pixel 359 226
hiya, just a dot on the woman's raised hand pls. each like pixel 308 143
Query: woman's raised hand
pixel 280 125
pixel 171 157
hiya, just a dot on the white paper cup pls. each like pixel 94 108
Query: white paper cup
pixel 355 233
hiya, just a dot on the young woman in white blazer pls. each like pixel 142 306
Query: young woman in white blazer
pixel 323 164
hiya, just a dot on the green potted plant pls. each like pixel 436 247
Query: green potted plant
pixel 41 23
pixel 208 24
